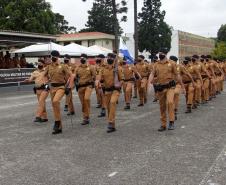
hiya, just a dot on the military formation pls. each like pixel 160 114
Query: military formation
pixel 199 78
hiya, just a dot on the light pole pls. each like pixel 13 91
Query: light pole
pixel 135 30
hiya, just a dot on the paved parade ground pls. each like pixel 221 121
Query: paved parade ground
pixel 137 154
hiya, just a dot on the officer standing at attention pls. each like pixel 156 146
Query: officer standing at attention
pixel 57 74
pixel 85 78
pixel 166 74
pixel 41 89
pixel 111 77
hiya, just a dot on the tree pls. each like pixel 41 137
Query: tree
pixel 154 32
pixel 221 35
pixel 103 17
pixel 31 16
pixel 220 51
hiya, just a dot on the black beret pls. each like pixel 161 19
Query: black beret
pixel 203 56
pixel 141 56
pixel 174 58
pixel 195 56
pixel 55 53
pixel 84 56
pixel 101 56
pixel 164 50
pixel 67 57
pixel 208 56
pixel 187 58
pixel 111 55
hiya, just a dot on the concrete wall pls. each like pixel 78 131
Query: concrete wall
pixel 174 44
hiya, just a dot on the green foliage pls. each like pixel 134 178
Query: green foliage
pixel 221 35
pixel 101 17
pixel 220 51
pixel 31 16
pixel 154 33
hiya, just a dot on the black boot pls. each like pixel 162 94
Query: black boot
pixel 188 109
pixel 102 113
pixel 111 128
pixel 38 120
pixel 71 113
pixel 85 121
pixel 161 129
pixel 65 108
pixel 98 106
pixel 171 126
pixel 56 128
pixel 140 105
pixel 127 107
pixel 175 113
pixel 155 100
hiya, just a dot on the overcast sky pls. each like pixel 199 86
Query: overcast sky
pixel 202 17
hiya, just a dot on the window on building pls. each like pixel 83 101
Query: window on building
pixel 78 42
pixel 91 43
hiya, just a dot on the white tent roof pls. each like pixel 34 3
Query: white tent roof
pixel 101 50
pixel 40 49
pixel 71 48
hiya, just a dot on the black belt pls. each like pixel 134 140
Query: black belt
pixel 86 84
pixel 40 87
pixel 111 89
pixel 132 79
pixel 161 87
pixel 57 84
pixel 187 82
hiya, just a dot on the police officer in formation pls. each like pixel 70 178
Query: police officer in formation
pixel 199 78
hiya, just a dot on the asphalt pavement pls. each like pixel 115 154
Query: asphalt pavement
pixel 137 154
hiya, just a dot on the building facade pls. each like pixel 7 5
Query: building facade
pixel 88 39
pixel 187 44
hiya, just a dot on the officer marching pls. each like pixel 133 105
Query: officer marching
pixel 85 77
pixel 41 89
pixel 58 75
pixel 111 78
pixel 166 74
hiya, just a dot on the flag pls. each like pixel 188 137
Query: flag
pixel 125 52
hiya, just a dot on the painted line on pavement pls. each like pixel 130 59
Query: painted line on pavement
pixel 208 173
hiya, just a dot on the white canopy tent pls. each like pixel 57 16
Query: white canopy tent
pixel 39 49
pixel 100 49
pixel 72 48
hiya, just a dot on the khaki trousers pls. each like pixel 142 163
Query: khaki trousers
pixel 41 109
pixel 212 87
pixel 198 91
pixel 142 90
pixel 56 95
pixel 127 89
pixel 135 88
pixel 177 92
pixel 84 94
pixel 111 98
pixel 205 91
pixel 189 93
pixel 166 102
pixel 69 100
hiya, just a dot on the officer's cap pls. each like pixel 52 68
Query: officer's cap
pixel 111 55
pixel 187 59
pixel 67 57
pixel 101 56
pixel 84 56
pixel 208 56
pixel 164 50
pixel 195 56
pixel 141 56
pixel 203 56
pixel 55 53
pixel 174 58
